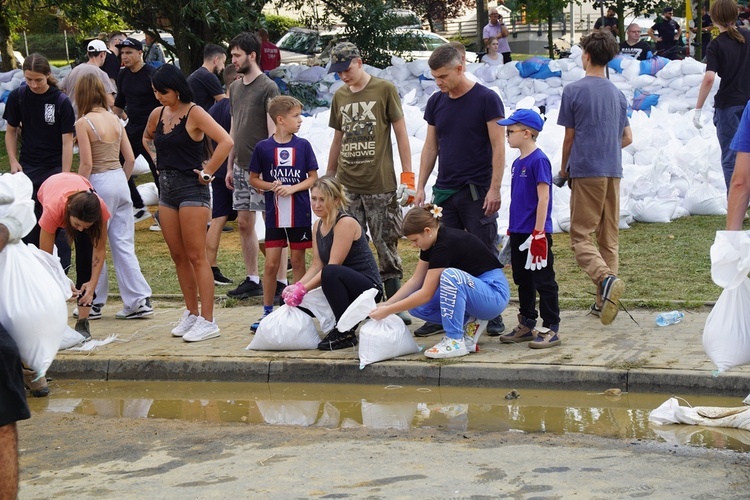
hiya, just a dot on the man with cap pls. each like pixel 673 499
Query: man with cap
pixel 97 52
pixel 363 111
pixel 530 233
pixel 462 131
pixel 134 91
pixel 665 33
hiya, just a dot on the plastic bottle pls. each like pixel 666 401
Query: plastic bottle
pixel 669 318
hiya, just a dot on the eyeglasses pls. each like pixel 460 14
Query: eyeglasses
pixel 509 132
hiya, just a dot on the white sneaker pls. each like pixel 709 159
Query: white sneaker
pixel 140 214
pixel 185 324
pixel 473 329
pixel 202 330
pixel 447 348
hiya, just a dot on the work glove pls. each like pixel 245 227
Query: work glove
pixel 536 244
pixel 697 119
pixel 405 192
pixel 293 294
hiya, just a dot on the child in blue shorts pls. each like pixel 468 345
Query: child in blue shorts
pixel 284 167
pixel 530 228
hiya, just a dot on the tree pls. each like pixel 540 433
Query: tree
pixel 192 23
pixel 545 10
pixel 437 10
pixel 10 20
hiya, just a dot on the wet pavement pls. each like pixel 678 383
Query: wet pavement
pixel 634 357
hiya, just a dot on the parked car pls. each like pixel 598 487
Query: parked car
pixel 313 47
pixel 169 56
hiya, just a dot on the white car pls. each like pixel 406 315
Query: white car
pixel 18 56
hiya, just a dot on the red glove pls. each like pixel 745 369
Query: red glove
pixel 538 250
pixel 406 191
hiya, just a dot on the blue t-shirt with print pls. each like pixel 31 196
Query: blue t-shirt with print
pixel 526 174
pixel 289 163
pixel 464 147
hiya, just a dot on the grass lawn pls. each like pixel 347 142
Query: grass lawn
pixel 660 263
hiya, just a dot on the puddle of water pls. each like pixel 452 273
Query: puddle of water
pixel 391 407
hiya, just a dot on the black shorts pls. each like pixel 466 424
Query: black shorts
pixel 13 405
pixel 222 198
pixel 300 238
pixel 179 189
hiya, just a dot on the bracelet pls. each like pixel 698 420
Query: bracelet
pixel 206 177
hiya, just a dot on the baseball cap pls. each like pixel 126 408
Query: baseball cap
pixel 342 56
pixel 667 9
pixel 527 117
pixel 131 43
pixel 96 46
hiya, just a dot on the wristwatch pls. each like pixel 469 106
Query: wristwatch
pixel 205 176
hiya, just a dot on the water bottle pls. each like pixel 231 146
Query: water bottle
pixel 669 318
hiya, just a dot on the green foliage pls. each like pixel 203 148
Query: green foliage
pixel 193 23
pixel 278 25
pixel 307 94
pixel 52 45
pixel 437 10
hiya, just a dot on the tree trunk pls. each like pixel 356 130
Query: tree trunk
pixel 550 42
pixel 482 20
pixel 6 44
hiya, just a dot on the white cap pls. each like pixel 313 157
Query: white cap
pixel 96 46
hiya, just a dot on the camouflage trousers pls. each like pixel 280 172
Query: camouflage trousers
pixel 381 214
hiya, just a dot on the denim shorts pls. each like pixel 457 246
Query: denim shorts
pixel 179 189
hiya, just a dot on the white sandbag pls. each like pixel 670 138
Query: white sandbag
pixel 704 199
pixel 540 86
pixel 285 329
pixel 141 166
pixel 573 75
pixel 692 80
pixel 16 205
pixel 642 81
pixel 508 71
pixel 692 67
pixel 418 67
pixel 654 210
pixel 726 335
pixel 315 301
pixel 670 412
pixel 358 310
pixel 70 338
pixel 32 308
pixel 384 339
pixel 400 73
pixel 311 75
pixel 673 69
pixel 149 194
pixel 486 73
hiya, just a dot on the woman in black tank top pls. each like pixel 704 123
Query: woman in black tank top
pixel 343 264
pixel 176 131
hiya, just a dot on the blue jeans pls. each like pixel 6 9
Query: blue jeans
pixel 727 121
pixel 461 295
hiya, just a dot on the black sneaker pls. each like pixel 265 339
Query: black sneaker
pixel 495 327
pixel 336 340
pixel 277 300
pixel 248 288
pixel 428 329
pixel 220 279
pixel 612 289
pixel 82 327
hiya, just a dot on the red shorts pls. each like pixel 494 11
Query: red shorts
pixel 299 238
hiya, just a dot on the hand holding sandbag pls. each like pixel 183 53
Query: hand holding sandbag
pixel 293 294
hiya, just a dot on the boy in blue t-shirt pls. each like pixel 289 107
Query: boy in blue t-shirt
pixel 530 228
pixel 284 167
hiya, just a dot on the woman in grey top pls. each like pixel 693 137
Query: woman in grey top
pixel 343 264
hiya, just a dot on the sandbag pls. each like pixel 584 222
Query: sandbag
pixel 149 193
pixel 726 335
pixel 315 301
pixel 285 329
pixel 32 308
pixel 384 339
pixel 653 65
pixel 141 166
pixel 16 205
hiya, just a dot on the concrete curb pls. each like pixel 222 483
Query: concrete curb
pixel 408 372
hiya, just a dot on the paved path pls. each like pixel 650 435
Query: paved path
pixel 638 358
